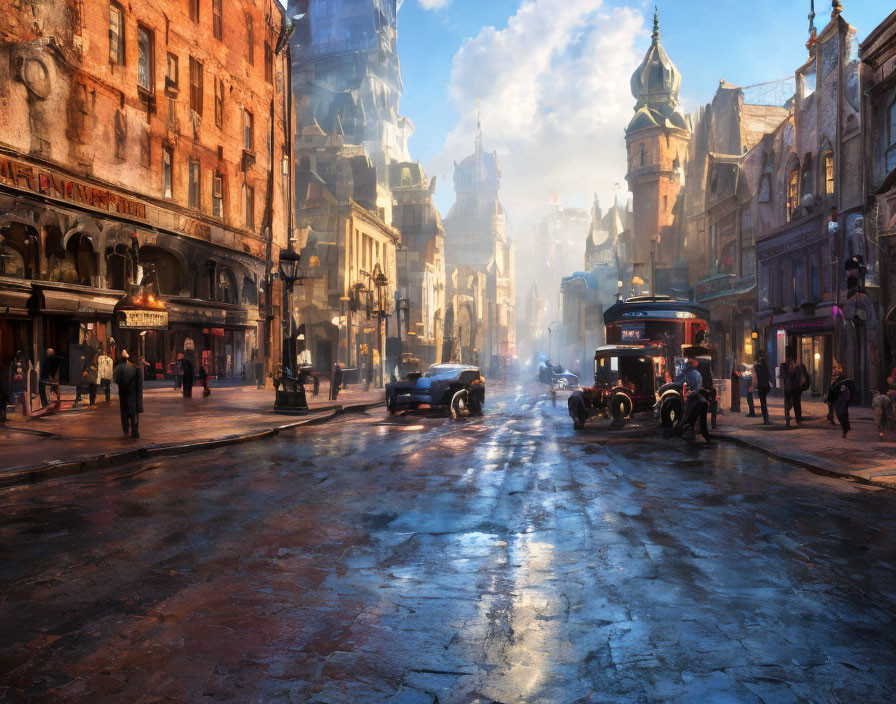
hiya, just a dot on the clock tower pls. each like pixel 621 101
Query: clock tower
pixel 657 140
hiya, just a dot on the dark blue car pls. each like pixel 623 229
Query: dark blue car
pixel 458 387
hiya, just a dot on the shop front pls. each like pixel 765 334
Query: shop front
pixel 807 340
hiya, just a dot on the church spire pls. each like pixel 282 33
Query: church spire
pixel 656 23
pixel 479 128
pixel 813 34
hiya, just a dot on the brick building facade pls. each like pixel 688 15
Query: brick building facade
pixel 150 141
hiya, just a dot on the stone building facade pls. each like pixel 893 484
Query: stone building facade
pixel 349 255
pixel 808 220
pixel 878 80
pixel 150 140
pixel 347 75
pixel 421 286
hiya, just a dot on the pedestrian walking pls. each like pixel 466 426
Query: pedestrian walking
pixel 795 379
pixel 186 365
pixel 49 377
pixel 104 370
pixel 258 368
pixel 178 372
pixel 747 373
pixel 89 377
pixel 840 396
pixel 129 379
pixel 884 406
pixel 335 381
pixel 762 384
pixel 203 379
pixel 696 406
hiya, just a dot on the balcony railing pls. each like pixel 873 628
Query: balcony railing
pixel 721 285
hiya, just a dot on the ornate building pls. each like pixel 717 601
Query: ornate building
pixel 143 141
pixel 421 288
pixel 347 75
pixel 475 241
pixel 657 141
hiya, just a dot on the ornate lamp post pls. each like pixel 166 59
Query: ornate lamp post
pixel 380 283
pixel 290 393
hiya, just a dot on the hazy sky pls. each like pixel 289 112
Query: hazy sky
pixel 553 76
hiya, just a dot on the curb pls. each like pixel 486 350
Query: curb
pixel 106 460
pixel 804 464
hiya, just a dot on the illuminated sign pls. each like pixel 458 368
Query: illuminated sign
pixel 632 332
pixel 143 319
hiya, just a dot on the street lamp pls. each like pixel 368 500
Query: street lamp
pixel 291 397
pixel 381 282
pixel 619 285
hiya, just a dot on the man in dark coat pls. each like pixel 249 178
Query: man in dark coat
pixel 335 381
pixel 186 365
pixel 49 376
pixel 130 394
pixel 795 379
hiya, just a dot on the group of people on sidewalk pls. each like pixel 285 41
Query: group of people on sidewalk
pixel 185 376
pixel 701 397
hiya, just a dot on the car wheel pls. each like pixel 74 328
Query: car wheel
pixel 460 404
pixel 576 406
pixel 390 406
pixel 620 407
pixel 671 412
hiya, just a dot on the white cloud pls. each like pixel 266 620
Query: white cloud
pixel 555 97
pixel 434 4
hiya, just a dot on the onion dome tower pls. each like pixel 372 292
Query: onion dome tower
pixel 657 138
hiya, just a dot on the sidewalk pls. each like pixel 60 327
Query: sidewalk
pixel 817 444
pixel 83 438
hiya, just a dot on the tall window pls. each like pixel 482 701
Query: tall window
pixel 217 19
pixel 793 192
pixel 250 40
pixel 195 86
pixel 145 59
pixel 891 137
pixel 219 103
pixel 218 196
pixel 116 34
pixel 268 63
pixel 643 156
pixel 195 190
pixel 829 174
pixel 249 207
pixel 194 10
pixel 248 131
pixel 167 159
pixel 171 77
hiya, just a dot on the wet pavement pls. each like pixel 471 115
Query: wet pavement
pixel 415 560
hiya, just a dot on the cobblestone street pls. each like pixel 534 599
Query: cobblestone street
pixel 413 559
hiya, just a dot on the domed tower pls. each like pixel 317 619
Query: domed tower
pixel 657 140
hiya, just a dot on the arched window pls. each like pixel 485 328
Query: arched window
pixel 793 192
pixel 405 176
pixel 806 181
pixel 827 165
pixel 169 272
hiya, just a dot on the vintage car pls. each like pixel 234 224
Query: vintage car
pixel 628 379
pixel 459 388
pixel 556 375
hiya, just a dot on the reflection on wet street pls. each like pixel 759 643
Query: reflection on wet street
pixel 412 559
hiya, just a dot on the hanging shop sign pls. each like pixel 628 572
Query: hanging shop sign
pixel 143 319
